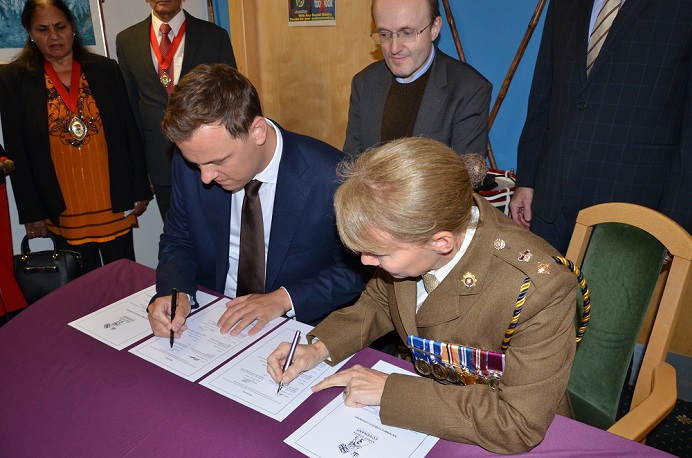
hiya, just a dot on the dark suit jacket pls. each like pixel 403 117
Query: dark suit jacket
pixel 205 43
pixel 25 129
pixel 513 418
pixel 624 133
pixel 305 253
pixel 454 109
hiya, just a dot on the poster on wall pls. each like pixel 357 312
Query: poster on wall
pixel 87 14
pixel 311 12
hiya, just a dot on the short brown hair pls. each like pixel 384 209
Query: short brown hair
pixel 211 95
pixel 410 189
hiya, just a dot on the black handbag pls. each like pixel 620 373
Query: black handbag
pixel 40 272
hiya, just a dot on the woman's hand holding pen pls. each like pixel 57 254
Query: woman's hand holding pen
pixel 160 316
pixel 305 358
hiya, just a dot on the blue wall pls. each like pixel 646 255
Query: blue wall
pixel 221 15
pixel 490 32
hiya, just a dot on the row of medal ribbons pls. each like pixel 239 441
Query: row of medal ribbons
pixel 458 364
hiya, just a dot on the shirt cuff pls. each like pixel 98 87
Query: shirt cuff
pixel 291 313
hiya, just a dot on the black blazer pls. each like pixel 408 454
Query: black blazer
pixel 453 111
pixel 37 192
pixel 205 43
pixel 624 133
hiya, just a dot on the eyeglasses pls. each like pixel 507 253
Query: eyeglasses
pixel 404 35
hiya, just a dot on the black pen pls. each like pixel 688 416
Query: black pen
pixel 289 358
pixel 174 305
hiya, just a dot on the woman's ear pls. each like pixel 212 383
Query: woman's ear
pixel 443 242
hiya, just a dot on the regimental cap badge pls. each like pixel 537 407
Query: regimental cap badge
pixel 469 280
pixel 525 256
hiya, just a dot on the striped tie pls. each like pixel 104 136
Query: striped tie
pixel 164 46
pixel 600 30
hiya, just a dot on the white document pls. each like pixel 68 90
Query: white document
pixel 341 431
pixel 246 380
pixel 121 323
pixel 124 322
pixel 202 347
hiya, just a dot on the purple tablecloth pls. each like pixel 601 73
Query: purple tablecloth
pixel 63 393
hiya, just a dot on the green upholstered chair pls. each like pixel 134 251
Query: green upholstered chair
pixel 621 248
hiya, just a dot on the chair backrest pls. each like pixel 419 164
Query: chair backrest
pixel 621 248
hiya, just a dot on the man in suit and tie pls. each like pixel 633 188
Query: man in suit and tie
pixel 152 62
pixel 417 90
pixel 298 266
pixel 610 114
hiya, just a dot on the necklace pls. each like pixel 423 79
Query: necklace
pixel 76 127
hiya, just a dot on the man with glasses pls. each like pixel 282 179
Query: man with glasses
pixel 417 90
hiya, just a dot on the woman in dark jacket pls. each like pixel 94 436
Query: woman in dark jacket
pixel 68 126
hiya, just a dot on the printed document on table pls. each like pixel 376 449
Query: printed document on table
pixel 202 347
pixel 121 323
pixel 245 379
pixel 338 430
pixel 124 322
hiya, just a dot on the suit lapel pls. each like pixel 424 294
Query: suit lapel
pixel 291 196
pixel 216 203
pixel 142 47
pixel 192 42
pixel 406 296
pixel 433 98
pixel 379 97
pixel 583 15
pixel 629 12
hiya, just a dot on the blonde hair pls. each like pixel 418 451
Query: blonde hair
pixel 409 189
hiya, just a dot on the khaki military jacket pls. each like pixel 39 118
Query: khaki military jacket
pixel 514 416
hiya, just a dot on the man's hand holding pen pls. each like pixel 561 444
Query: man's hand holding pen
pixel 160 316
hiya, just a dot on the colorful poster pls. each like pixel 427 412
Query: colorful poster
pixel 311 12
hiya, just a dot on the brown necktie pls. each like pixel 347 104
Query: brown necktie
pixel 601 28
pixel 251 258
pixel 164 46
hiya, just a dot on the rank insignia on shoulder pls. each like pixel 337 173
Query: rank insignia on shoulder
pixel 525 256
pixel 543 268
pixel 469 280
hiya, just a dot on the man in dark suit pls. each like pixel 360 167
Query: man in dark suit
pixel 214 117
pixel 139 56
pixel 417 90
pixel 621 132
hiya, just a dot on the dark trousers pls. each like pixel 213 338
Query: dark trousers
pixel 558 233
pixel 94 254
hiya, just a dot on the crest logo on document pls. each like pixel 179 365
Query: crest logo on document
pixel 361 438
pixel 114 325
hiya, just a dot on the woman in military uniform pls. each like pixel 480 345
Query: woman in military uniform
pixel 486 310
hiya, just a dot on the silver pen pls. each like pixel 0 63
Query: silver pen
pixel 289 358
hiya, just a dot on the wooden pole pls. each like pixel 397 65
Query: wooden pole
pixel 453 28
pixel 210 8
pixel 515 63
